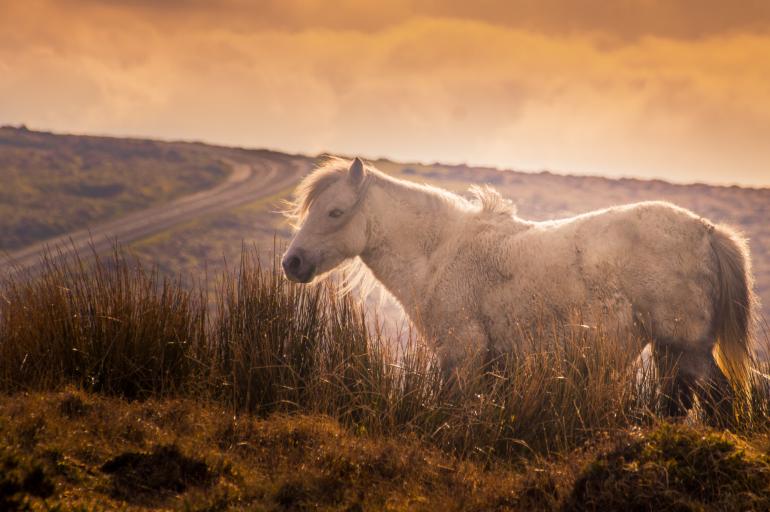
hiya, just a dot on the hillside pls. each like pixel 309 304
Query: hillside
pixel 120 389
pixel 207 242
pixel 52 184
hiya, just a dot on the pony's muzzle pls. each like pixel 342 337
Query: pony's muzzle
pixel 297 267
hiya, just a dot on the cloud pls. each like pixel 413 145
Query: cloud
pixel 623 19
pixel 439 85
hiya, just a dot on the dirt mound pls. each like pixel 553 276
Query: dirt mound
pixel 164 469
pixel 73 406
pixel 675 468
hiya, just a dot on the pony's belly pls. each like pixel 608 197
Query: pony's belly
pixel 521 324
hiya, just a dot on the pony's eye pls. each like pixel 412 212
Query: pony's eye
pixel 336 213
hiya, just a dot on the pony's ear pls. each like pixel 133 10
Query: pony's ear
pixel 357 172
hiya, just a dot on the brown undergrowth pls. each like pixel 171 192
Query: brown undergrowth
pixel 283 397
pixel 178 453
pixel 181 454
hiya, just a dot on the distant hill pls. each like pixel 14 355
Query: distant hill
pixel 54 183
pixel 544 195
pixel 118 390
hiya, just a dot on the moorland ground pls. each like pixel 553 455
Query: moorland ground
pixel 124 387
pixel 120 389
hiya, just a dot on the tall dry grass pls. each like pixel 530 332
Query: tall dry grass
pixel 269 345
pixel 105 325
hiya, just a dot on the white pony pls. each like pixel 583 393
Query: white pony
pixel 471 273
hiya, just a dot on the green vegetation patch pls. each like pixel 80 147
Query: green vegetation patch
pixel 675 468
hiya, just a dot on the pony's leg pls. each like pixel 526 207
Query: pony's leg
pixel 688 370
pixel 677 378
pixel 449 358
pixel 715 394
pixel 460 349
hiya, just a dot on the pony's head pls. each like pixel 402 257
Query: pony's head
pixel 331 228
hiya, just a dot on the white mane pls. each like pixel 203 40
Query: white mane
pixel 491 201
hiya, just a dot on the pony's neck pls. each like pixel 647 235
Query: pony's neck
pixel 407 225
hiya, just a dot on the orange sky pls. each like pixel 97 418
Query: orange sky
pixel 648 88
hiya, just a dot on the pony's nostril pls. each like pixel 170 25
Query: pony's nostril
pixel 293 263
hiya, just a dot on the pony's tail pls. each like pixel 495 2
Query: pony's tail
pixel 733 308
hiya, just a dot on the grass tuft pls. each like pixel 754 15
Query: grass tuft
pixel 110 326
pixel 675 467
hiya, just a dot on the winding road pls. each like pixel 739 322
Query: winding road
pixel 251 179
